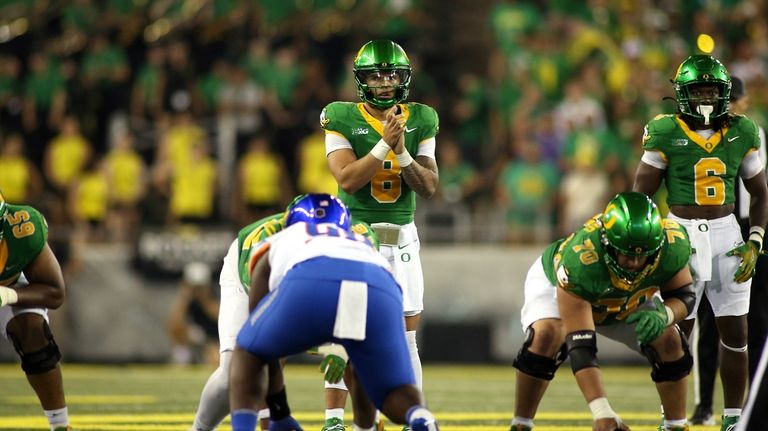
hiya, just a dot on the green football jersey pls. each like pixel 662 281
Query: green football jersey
pixel 387 198
pixel 256 232
pixel 577 265
pixel 701 171
pixel 24 235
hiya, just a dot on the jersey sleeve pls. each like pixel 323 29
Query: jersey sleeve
pixel 653 134
pixel 677 249
pixel 431 122
pixel 364 229
pixel 35 242
pixel 331 118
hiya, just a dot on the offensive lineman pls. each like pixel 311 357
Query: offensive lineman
pixel 624 275
pixel 31 282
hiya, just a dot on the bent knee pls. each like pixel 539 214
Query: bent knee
pixel 548 337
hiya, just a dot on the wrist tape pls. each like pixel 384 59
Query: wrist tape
pixel 380 150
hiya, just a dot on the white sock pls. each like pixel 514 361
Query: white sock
pixel 339 385
pixel 263 414
pixel 731 412
pixel 675 423
pixel 334 413
pixel 57 418
pixel 519 420
pixel 413 349
pixel 214 400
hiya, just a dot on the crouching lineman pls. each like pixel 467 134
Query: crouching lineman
pixel 233 311
pixel 625 275
pixel 319 282
pixel 30 283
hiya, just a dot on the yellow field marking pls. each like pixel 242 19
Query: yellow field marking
pixel 86 399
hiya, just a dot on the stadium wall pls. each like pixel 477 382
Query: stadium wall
pixel 473 299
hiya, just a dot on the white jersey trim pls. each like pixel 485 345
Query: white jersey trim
pixel 427 148
pixel 335 141
pixel 655 159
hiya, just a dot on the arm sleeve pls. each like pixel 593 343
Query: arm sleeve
pixel 336 141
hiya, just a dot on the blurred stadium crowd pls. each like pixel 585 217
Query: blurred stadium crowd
pixel 121 113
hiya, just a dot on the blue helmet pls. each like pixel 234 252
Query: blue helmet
pixel 317 208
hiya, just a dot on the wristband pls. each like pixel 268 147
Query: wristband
pixel 670 316
pixel 756 234
pixel 8 296
pixel 404 159
pixel 380 150
pixel 601 409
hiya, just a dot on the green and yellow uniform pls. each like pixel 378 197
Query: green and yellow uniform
pixel 387 198
pixel 701 171
pixel 24 235
pixel 576 264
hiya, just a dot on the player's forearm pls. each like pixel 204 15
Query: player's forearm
pixel 419 178
pixel 590 381
pixel 358 174
pixel 40 295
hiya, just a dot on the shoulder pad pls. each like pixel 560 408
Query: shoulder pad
pixel 333 113
pixel 660 125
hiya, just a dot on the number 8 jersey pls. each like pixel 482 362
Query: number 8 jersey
pixel 387 198
pixel 700 171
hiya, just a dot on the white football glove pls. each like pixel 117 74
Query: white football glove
pixel 8 296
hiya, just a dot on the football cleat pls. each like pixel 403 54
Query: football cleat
pixel 519 427
pixel 285 424
pixel 729 423
pixel 334 424
pixel 664 428
pixel 66 428
pixel 702 416
pixel 423 424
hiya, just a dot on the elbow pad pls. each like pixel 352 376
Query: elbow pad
pixel 687 294
pixel 582 349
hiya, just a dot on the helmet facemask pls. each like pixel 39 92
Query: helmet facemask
pixel 400 79
pixel 631 225
pixel 694 75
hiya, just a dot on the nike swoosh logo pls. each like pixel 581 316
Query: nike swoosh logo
pixel 733 139
pixel 407 130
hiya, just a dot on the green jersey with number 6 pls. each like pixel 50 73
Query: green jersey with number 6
pixel 577 265
pixel 701 171
pixel 387 198
pixel 256 232
pixel 24 235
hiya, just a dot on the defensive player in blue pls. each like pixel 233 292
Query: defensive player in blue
pixel 317 282
pixel 30 283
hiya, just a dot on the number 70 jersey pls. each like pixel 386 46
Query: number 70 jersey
pixel 387 198
pixel 701 171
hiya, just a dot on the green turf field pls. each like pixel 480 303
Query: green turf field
pixel 464 398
